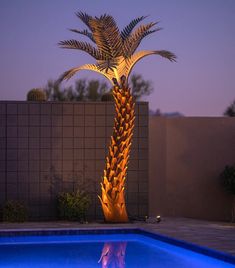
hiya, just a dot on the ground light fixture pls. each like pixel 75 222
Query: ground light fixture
pixel 115 55
pixel 158 218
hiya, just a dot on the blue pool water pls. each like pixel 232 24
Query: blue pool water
pixel 106 251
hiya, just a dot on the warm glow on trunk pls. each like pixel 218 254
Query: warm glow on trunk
pixel 113 183
pixel 113 255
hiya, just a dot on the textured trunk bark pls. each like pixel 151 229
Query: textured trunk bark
pixel 113 184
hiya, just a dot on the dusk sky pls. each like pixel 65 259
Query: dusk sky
pixel 200 32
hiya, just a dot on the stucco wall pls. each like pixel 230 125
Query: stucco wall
pixel 186 156
pixel 50 147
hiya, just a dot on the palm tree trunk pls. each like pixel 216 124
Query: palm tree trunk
pixel 113 184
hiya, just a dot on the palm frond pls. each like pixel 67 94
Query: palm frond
pixel 84 46
pixel 102 17
pixel 84 32
pixel 107 36
pixel 85 18
pixel 130 62
pixel 135 45
pixel 90 67
pixel 166 54
pixel 133 41
pixel 128 29
pixel 113 36
pixel 115 51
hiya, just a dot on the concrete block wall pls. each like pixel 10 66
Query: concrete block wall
pixel 50 147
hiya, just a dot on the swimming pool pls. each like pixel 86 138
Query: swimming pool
pixel 107 250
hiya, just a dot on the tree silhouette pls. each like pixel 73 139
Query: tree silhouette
pixel 230 110
pixel 94 90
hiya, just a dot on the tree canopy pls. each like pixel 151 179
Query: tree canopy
pixel 93 90
pixel 114 50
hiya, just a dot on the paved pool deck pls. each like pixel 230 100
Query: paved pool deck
pixel 215 235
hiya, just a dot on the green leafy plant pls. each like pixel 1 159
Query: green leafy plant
pixel 36 94
pixel 228 181
pixel 73 206
pixel 14 211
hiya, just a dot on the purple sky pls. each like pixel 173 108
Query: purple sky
pixel 200 32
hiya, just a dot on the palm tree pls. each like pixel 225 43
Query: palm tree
pixel 115 54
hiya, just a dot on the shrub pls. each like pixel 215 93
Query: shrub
pixel 1 218
pixel 14 211
pixel 73 206
pixel 228 180
pixel 36 94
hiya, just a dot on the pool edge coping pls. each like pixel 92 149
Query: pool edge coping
pixel 220 255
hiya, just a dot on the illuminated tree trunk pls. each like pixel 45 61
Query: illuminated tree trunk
pixel 115 172
pixel 113 255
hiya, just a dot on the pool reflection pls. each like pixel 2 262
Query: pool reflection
pixel 113 255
